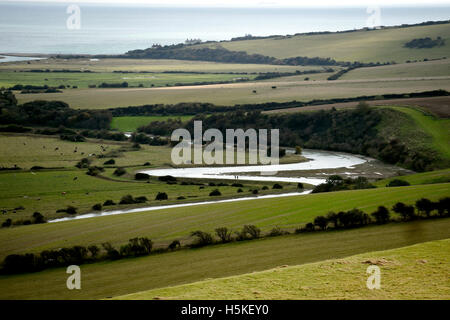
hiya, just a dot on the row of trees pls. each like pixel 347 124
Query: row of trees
pixel 20 263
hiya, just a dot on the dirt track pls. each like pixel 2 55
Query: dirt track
pixel 440 106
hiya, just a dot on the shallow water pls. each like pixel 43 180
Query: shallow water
pixel 15 59
pixel 317 160
pixel 115 212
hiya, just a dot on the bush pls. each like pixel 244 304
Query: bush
pixel 381 215
pixel 127 199
pixel 119 172
pixel 397 183
pixel 111 252
pixel 71 210
pixel 109 203
pixel 167 178
pixel 141 176
pixel 252 231
pixel 215 193
pixel 94 171
pixel 425 206
pixel 97 207
pixel 141 199
pixel 203 238
pixel 110 162
pixel 38 218
pixel 94 250
pixel 7 223
pixel 161 196
pixel 240 190
pixel 406 212
pixel 255 191
pixel 277 186
pixel 321 222
pixel 174 244
pixel 277 232
pixel 83 163
pixel 300 186
pixel 224 234
pixel 265 188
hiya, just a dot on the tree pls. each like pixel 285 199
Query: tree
pixel 94 250
pixel 443 206
pixel 161 196
pixel 251 230
pixel 174 244
pixel 381 215
pixel 333 218
pixel 424 206
pixel 298 150
pixel 97 207
pixel 203 238
pixel 406 212
pixel 38 217
pixel 321 222
pixel 224 234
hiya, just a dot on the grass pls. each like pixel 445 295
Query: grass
pixel 165 225
pixel 438 68
pixel 365 46
pixel 237 93
pixel 127 124
pixel 431 177
pixel 149 65
pixel 111 279
pixel 332 279
pixel 83 80
pixel 419 130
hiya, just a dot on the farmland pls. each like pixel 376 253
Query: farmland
pixel 351 46
pixel 111 279
pixel 428 261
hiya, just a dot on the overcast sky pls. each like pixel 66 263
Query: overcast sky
pixel 250 3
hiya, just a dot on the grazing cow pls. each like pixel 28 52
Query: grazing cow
pixel 63 193
pixel 76 178
pixel 57 148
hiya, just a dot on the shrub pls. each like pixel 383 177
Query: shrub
pixel 321 222
pixel 174 244
pixel 71 210
pixel 255 191
pixel 406 212
pixel 237 185
pixel 265 188
pixel 110 162
pixel 7 223
pixel 111 252
pixel 119 172
pixel 381 215
pixel 224 234
pixel 83 163
pixel 240 190
pixel 203 238
pixel 38 218
pixel 94 250
pixel 215 192
pixel 277 186
pixel 167 178
pixel 97 207
pixel 277 232
pixel 109 203
pixel 94 171
pixel 141 199
pixel 300 186
pixel 397 183
pixel 252 231
pixel 443 206
pixel 127 199
pixel 425 206
pixel 161 196
pixel 141 176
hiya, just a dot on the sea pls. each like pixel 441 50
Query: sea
pixel 65 28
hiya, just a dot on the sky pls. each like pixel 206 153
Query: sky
pixel 250 3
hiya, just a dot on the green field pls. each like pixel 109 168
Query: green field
pixel 165 225
pixel 383 45
pixel 332 279
pixel 127 124
pixel 431 177
pixel 419 130
pixel 148 65
pixel 111 279
pixel 238 93
pixel 438 68
pixel 83 80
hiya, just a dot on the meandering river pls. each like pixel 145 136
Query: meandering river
pixel 317 160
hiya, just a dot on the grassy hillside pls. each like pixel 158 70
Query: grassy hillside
pixel 431 177
pixel 238 93
pixel 125 124
pixel 437 68
pixel 332 279
pixel 365 46
pixel 165 225
pixel 419 130
pixel 109 279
